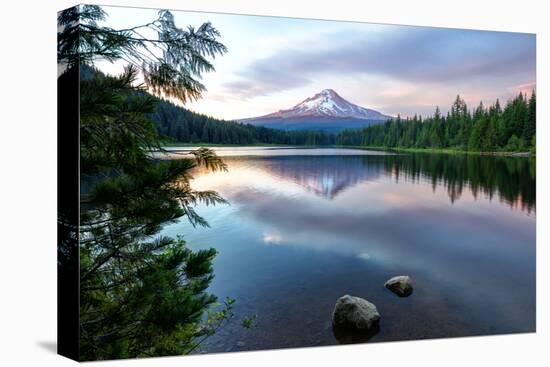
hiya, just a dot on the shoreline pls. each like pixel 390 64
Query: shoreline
pixel 446 151
pixel 385 149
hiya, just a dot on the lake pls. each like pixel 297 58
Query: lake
pixel 306 226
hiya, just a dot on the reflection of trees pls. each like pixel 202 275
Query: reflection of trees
pixel 511 179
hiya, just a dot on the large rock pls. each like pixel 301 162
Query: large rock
pixel 400 285
pixel 355 313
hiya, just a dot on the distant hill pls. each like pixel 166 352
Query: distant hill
pixel 186 126
pixel 326 111
pixel 182 125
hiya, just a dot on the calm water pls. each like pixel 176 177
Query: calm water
pixel 307 226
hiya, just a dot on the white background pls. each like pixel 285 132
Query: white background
pixel 28 183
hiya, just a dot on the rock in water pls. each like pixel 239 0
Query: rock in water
pixel 400 285
pixel 355 313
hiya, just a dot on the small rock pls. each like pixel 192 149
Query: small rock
pixel 400 285
pixel 355 313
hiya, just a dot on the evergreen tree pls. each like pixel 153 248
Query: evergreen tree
pixel 484 129
pixel 531 120
pixel 141 294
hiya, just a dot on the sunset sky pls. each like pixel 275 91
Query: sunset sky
pixel 274 63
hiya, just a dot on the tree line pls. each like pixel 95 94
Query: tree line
pixel 182 125
pixel 177 124
pixel 485 129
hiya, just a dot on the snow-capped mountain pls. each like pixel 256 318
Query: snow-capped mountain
pixel 326 110
pixel 327 103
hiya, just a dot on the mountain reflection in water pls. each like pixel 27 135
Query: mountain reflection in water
pixel 324 176
pixel 511 179
pixel 302 230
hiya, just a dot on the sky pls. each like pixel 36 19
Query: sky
pixel 274 63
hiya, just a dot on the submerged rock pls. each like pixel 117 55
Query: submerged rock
pixel 355 313
pixel 400 285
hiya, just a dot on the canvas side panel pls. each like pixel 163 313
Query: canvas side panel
pixel 68 210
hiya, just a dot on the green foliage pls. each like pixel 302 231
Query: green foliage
pixel 185 126
pixel 482 130
pixel 515 144
pixel 150 301
pixel 177 124
pixel 141 294
pixel 114 128
pixel 171 63
pixel 249 321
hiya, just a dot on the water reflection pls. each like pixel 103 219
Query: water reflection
pixel 302 231
pixel 512 180
pixel 325 176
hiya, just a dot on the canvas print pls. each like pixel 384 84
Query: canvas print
pixel 235 183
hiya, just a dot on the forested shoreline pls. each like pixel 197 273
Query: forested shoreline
pixel 181 125
pixel 484 129
pixel 511 128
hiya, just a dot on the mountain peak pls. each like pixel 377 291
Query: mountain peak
pixel 326 105
pixel 329 92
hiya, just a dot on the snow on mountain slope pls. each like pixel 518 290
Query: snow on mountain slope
pixel 326 104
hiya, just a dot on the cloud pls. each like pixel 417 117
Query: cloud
pixel 525 88
pixel 410 54
pixel 261 80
